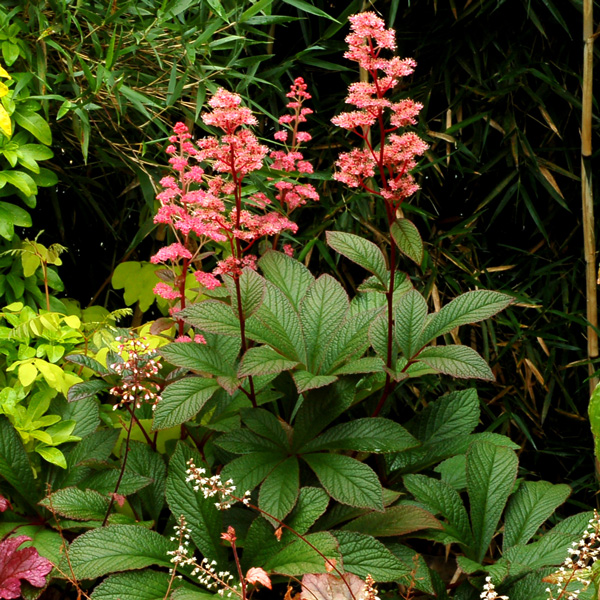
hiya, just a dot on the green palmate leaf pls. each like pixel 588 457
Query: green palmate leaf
pixel 408 239
pixel 116 548
pixel 182 400
pixel 268 425
pixel 197 357
pixel 529 507
pixel 279 490
pixel 200 513
pixel 440 498
pixel 457 361
pixel 148 463
pixel 365 435
pixel 14 462
pixel 321 407
pixel 307 381
pixel 349 342
pixel 299 558
pixel 378 337
pixel 288 274
pixel 87 389
pixel 252 291
pixel 361 251
pixel 411 311
pixel 250 470
pixel 137 585
pixel 364 555
pixel 244 441
pixel 106 481
pixel 321 313
pixel 396 520
pixel 312 503
pixel 442 428
pixel 491 473
pixel 263 360
pixel 347 480
pixel 368 364
pixel 471 307
pixel 277 323
pixel 213 316
pixel 81 505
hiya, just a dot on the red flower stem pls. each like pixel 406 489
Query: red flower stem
pixel 239 569
pixel 125 455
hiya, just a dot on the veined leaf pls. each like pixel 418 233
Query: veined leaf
pixel 364 435
pixel 491 473
pixel 408 239
pixel 368 364
pixel 81 505
pixel 116 548
pixel 396 520
pixel 347 480
pixel 197 357
pixel 277 324
pixel 182 400
pixel 250 470
pixel 288 274
pixel 440 498
pixel 263 360
pixel 458 361
pixel 136 585
pixel 364 555
pixel 14 462
pixel 266 424
pixel 252 291
pixel 529 507
pixel 87 389
pixel 312 503
pixel 361 251
pixel 470 307
pixel 213 316
pixel 307 381
pixel 35 124
pixel 321 313
pixel 299 558
pixel 279 491
pixel 410 314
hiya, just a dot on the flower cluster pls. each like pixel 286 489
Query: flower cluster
pixel 203 199
pixel 214 487
pixel 291 195
pixel 138 367
pixel 489 591
pixel 205 571
pixel 395 157
pixel 577 566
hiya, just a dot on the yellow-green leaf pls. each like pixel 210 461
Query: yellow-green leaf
pixel 5 123
pixel 27 374
pixel 72 321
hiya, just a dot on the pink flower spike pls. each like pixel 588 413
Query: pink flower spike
pixel 16 565
pixel 166 291
pixel 208 280
pixel 257 575
pixel 171 253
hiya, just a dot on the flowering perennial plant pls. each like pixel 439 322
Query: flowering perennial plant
pixel 139 366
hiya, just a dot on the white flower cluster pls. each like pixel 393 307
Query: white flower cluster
pixel 139 365
pixel 206 571
pixel 214 487
pixel 577 567
pixel 489 591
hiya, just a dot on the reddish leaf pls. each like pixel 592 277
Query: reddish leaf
pixel 257 575
pixel 326 586
pixel 4 503
pixel 16 565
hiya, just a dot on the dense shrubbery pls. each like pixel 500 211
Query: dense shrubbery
pixel 294 412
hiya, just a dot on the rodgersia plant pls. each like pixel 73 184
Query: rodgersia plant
pixel 269 401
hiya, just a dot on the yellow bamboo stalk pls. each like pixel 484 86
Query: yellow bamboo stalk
pixel 586 188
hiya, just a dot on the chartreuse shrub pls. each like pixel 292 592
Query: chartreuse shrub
pixel 272 439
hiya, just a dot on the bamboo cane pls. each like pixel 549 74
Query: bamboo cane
pixel 586 189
